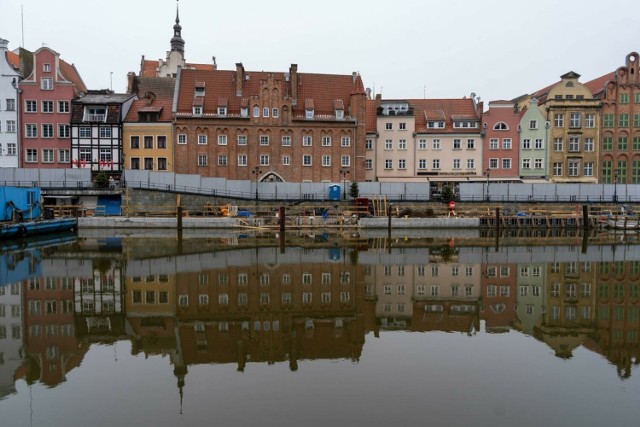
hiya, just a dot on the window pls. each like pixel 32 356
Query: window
pixel 11 126
pixel 161 141
pixel 105 132
pixel 63 106
pixel 202 139
pixel 46 68
pixel 402 144
pixel 222 111
pixel 506 143
pixel 574 143
pixel 11 104
pixel 624 98
pixel 135 163
pixel 148 141
pixel 607 120
pixel 622 143
pixel 47 130
pixel 558 120
pixel 456 163
pixel 526 144
pixel 64 156
pixel 47 106
pixel 134 142
pixel 471 144
pixel 456 144
pixel 47 155
pixel 557 144
pixel 557 169
pixel 402 164
pixel 182 138
pixel 435 163
pixel 589 120
pixel 64 131
pixel 326 160
pixel 85 154
pixel 471 164
pixel 197 110
pixel 533 124
pixel 264 140
pixel 242 160
pixel 85 132
pixel 422 144
pixel 388 144
pixel 30 106
pixel 388 164
pixel 286 141
pixel 573 167
pixel 264 160
pixel 256 111
pixel 286 160
pixel 539 144
pixel 31 130
pixel 368 144
pixel 493 163
pixel 307 141
pixel 345 141
pixel 538 163
pixel 105 154
pixel 588 169
pixel 241 140
pixel 306 160
pixel 493 144
pixel 326 141
pixel 623 120
pixel 574 120
pixel 162 163
pixel 46 83
pixel 265 112
pixel 32 155
pixel 403 126
pixel 526 163
pixel 275 112
pixel 222 160
pixel 435 144
pixel 506 163
pixel 202 160
pixel 388 126
pixel 368 164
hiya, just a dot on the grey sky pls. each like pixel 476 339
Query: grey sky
pixel 498 49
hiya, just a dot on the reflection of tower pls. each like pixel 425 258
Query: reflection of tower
pixel 180 373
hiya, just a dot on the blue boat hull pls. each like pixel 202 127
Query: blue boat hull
pixel 33 228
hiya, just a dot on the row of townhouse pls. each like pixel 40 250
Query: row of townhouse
pixel 306 127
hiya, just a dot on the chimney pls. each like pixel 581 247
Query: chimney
pixel 131 82
pixel 293 71
pixel 239 78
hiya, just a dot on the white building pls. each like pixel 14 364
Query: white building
pixel 9 79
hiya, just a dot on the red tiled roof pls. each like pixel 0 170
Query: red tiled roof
pixel 14 59
pixel 596 86
pixel 323 89
pixel 142 105
pixel 149 67
pixel 71 74
pixel 443 109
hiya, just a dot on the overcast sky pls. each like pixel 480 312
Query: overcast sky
pixel 499 49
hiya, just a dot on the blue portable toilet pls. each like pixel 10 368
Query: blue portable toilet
pixel 334 192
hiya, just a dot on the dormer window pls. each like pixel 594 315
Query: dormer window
pixel 309 114
pixel 309 108
pixel 197 110
pixel 339 114
pixel 46 68
pixel 95 114
pixel 199 89
pixel 244 112
pixel 222 111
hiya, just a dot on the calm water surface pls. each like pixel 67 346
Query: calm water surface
pixel 320 329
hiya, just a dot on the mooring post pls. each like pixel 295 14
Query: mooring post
pixel 281 218
pixel 585 217
pixel 389 225
pixel 497 218
pixel 179 215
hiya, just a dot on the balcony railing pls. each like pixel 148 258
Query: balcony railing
pixel 95 117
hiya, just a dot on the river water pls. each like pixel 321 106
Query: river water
pixel 320 329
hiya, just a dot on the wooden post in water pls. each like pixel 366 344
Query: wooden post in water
pixel 179 215
pixel 389 225
pixel 497 218
pixel 585 217
pixel 281 218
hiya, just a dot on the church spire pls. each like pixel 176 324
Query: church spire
pixel 177 42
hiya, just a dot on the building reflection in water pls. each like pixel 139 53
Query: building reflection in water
pixel 263 304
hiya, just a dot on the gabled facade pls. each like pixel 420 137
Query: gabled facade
pixel 97 129
pixel 148 128
pixel 500 140
pixel 9 80
pixel 269 126
pixel 533 143
pixel 47 89
pixel 621 124
pixel 574 120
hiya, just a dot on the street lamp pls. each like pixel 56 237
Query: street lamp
pixel 487 172
pixel 615 186
pixel 344 173
pixel 256 171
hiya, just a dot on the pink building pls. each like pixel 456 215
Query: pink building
pixel 500 141
pixel 47 87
